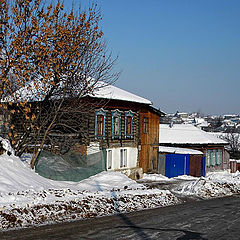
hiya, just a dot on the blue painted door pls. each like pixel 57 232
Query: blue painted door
pixel 177 164
pixel 203 166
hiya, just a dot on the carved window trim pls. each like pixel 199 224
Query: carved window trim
pixel 128 132
pixel 116 115
pixel 98 114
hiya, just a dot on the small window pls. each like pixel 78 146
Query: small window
pixel 123 158
pixel 145 125
pixel 100 124
pixel 129 124
pixel 116 124
pixel 109 159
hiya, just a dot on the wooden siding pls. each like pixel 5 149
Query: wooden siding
pixel 149 141
pixel 195 165
pixel 108 141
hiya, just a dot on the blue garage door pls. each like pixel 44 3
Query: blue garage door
pixel 177 164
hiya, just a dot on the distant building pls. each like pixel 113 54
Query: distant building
pixel 191 137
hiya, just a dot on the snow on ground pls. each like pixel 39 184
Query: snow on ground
pixel 156 177
pixel 215 184
pixel 27 199
pixel 186 177
pixel 161 178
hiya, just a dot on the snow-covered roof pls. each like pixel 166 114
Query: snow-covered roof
pixel 101 90
pixel 186 134
pixel 115 93
pixel 179 150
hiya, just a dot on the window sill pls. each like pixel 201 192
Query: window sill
pixel 123 166
pixel 99 137
pixel 128 137
pixel 116 137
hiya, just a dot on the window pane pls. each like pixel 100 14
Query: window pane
pixel 129 125
pixel 100 125
pixel 145 125
pixel 116 125
pixel 109 159
pixel 125 157
pixel 121 157
pixel 214 158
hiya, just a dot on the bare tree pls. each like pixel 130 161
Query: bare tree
pixel 233 138
pixel 50 60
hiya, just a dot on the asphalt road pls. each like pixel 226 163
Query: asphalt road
pixel 209 219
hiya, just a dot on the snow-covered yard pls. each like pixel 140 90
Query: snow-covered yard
pixel 215 184
pixel 28 199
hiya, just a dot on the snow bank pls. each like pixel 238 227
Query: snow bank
pixel 215 184
pixel 161 178
pixel 27 199
pixel 17 176
pixel 156 177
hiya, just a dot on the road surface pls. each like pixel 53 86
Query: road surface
pixel 209 219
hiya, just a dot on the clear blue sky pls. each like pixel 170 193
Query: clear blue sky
pixel 181 54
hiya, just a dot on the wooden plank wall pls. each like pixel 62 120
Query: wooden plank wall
pixel 149 141
pixel 108 141
pixel 195 165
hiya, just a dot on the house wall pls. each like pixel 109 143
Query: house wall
pixel 149 141
pixel 108 141
pixel 132 155
pixel 195 164
pixel 115 145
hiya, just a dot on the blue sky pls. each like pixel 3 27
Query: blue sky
pixel 181 54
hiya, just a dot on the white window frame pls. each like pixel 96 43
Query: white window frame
pixel 123 158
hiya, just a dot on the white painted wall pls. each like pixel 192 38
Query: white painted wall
pixel 132 154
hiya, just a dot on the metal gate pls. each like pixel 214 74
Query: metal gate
pixel 176 164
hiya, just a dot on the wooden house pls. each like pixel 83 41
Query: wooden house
pixel 149 136
pixel 127 126
pixel 124 125
pixel 191 137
